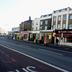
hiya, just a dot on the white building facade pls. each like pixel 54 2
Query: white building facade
pixel 62 24
pixel 36 24
pixel 35 29
pixel 15 33
pixel 15 29
pixel 45 28
pixel 60 18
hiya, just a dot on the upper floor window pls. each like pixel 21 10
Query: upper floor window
pixel 59 17
pixel 58 26
pixel 64 17
pixel 45 27
pixel 44 15
pixel 40 28
pixel 70 26
pixel 32 23
pixel 54 18
pixel 64 26
pixel 32 28
pixel 46 22
pixel 36 23
pixel 70 16
pixel 60 10
pixel 54 11
pixel 41 22
pixel 36 28
pixel 54 26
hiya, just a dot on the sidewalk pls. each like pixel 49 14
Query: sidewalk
pixel 64 47
pixel 61 47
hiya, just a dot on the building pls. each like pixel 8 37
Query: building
pixel 45 27
pixel 15 29
pixel 35 29
pixel 16 33
pixel 62 24
pixel 9 34
pixel 25 28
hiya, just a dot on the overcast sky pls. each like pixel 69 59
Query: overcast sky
pixel 13 12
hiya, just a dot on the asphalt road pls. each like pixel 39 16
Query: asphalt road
pixel 57 58
pixel 12 61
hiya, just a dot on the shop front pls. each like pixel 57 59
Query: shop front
pixel 64 35
pixel 16 36
pixel 46 36
pixel 34 35
pixel 24 35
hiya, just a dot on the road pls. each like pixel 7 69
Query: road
pixel 51 58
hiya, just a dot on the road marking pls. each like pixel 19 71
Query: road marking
pixel 17 70
pixel 58 53
pixel 63 70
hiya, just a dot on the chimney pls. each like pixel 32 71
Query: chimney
pixel 29 17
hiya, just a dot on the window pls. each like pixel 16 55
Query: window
pixel 54 26
pixel 54 18
pixel 70 16
pixel 45 16
pixel 36 28
pixel 54 11
pixel 70 26
pixel 64 26
pixel 36 23
pixel 41 22
pixel 60 10
pixel 59 26
pixel 46 22
pixel 59 18
pixel 40 28
pixel 45 27
pixel 32 28
pixel 64 17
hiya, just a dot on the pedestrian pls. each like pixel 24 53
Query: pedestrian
pixel 57 41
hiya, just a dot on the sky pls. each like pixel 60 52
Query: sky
pixel 13 12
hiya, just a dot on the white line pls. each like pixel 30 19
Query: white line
pixel 63 70
pixel 17 70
